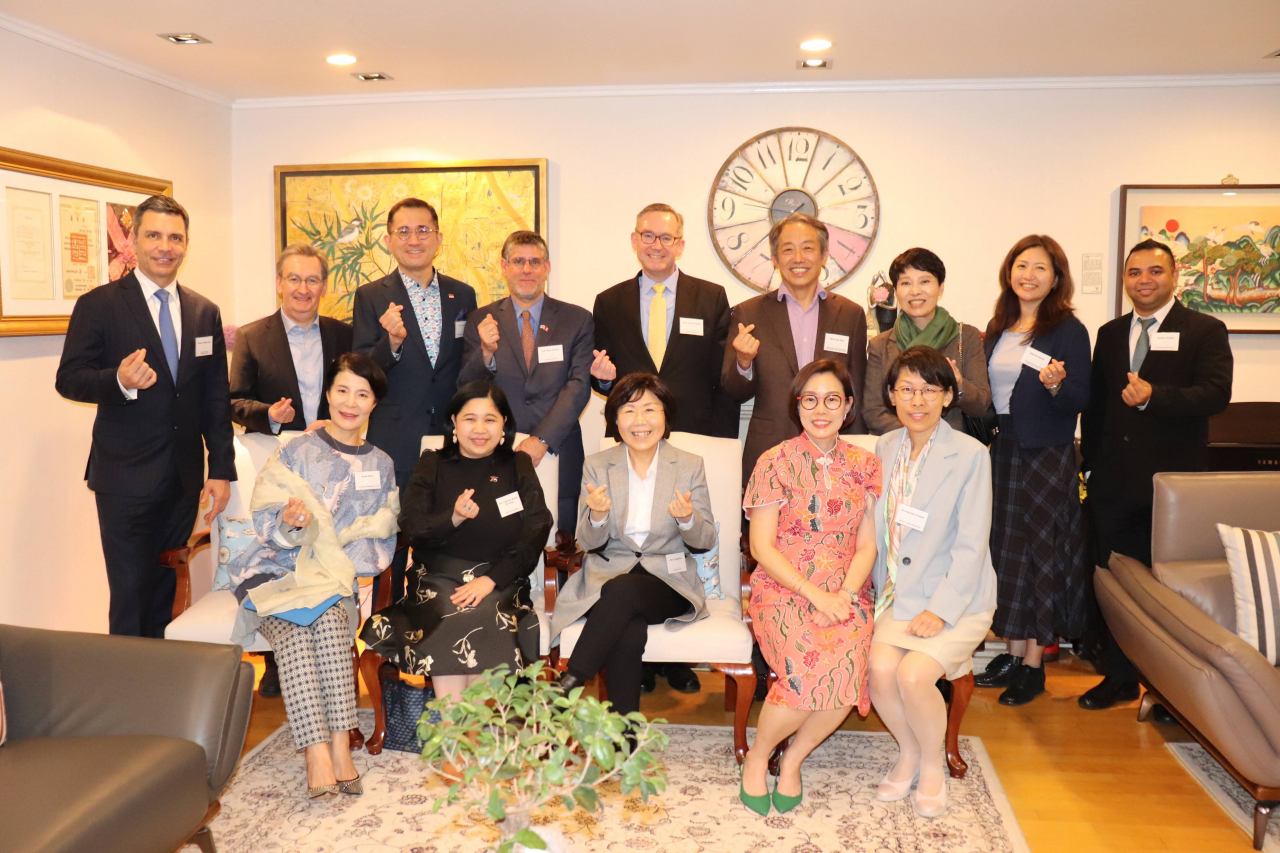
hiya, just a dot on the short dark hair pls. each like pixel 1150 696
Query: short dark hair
pixel 362 366
pixel 810 370
pixel 161 204
pixel 1149 245
pixel 775 233
pixel 630 388
pixel 412 204
pixel 917 259
pixel 524 238
pixel 927 363
pixel 474 391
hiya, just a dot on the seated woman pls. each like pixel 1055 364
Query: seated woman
pixel 936 589
pixel 810 502
pixel 644 505
pixel 476 519
pixel 324 510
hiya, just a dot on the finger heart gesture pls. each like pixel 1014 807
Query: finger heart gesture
pixel 465 507
pixel 598 499
pixel 681 508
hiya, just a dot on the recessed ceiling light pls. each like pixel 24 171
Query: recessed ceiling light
pixel 815 44
pixel 184 38
pixel 1228 193
pixel 370 76
pixel 809 64
pixel 341 59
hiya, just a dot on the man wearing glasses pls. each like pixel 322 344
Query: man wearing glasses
pixel 410 322
pixel 538 351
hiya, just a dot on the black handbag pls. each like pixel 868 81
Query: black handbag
pixel 983 427
pixel 404 705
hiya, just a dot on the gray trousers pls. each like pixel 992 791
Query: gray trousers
pixel 316 676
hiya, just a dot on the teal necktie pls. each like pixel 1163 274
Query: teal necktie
pixel 1143 346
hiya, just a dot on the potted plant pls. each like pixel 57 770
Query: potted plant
pixel 516 742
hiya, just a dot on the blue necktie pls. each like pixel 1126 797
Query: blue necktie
pixel 168 339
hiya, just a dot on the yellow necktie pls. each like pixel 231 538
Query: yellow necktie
pixel 658 325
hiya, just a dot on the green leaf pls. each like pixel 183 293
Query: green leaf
pixel 586 797
pixel 530 839
pixel 592 774
pixel 496 809
pixel 568 801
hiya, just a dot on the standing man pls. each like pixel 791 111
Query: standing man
pixel 151 355
pixel 279 363
pixel 776 334
pixel 1159 372
pixel 410 322
pixel 538 351
pixel 663 321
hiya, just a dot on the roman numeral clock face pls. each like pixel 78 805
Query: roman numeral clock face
pixel 785 171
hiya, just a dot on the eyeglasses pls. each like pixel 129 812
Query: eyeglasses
pixel 309 281
pixel 632 412
pixel 831 402
pixel 422 231
pixel 532 263
pixel 931 393
pixel 648 237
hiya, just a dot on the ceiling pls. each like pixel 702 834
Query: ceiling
pixel 276 48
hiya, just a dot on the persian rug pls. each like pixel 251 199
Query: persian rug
pixel 266 808
pixel 1226 791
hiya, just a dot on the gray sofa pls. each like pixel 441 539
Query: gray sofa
pixel 116 744
pixel 1176 622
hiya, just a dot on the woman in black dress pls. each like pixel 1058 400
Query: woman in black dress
pixel 475 517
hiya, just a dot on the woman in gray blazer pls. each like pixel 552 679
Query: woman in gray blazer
pixel 644 506
pixel 935 586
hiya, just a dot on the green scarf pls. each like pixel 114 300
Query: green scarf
pixel 942 330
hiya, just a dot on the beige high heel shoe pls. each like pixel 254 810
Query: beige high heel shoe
pixel 890 792
pixel 931 806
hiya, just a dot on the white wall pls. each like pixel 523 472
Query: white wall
pixel 60 105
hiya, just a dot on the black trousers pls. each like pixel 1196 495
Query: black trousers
pixel 1123 527
pixel 571 457
pixel 616 632
pixel 401 558
pixel 134 531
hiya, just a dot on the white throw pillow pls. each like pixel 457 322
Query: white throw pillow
pixel 1254 559
pixel 4 727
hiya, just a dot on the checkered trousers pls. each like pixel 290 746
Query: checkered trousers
pixel 316 676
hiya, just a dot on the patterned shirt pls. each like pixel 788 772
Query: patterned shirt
pixel 426 308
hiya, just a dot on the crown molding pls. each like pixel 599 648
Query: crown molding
pixel 61 42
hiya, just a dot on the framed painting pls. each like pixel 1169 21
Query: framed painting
pixel 65 228
pixel 1225 239
pixel 342 211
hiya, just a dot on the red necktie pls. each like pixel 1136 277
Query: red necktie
pixel 526 339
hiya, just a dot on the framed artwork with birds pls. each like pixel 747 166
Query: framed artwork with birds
pixel 341 209
pixel 1225 240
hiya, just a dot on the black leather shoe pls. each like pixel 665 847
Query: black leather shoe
pixel 682 679
pixel 568 681
pixel 1161 715
pixel 1027 684
pixel 269 686
pixel 1108 692
pixel 999 673
pixel 648 679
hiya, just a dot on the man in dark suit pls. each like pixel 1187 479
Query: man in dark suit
pixel 420 348
pixel 151 355
pixel 1159 372
pixel 538 351
pixel 687 347
pixel 780 332
pixel 278 367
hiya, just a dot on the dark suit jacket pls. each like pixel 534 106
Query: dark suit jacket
pixel 1124 447
pixel 138 443
pixel 548 399
pixel 775 366
pixel 262 371
pixel 691 365
pixel 1041 419
pixel 417 393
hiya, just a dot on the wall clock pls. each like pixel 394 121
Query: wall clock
pixel 784 171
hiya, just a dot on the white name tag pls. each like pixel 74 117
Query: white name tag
pixel 204 346
pixel 459 327
pixel 546 355
pixel 1165 341
pixel 909 516
pixel 368 480
pixel 508 504
pixel 675 564
pixel 1035 359
pixel 836 343
pixel 691 326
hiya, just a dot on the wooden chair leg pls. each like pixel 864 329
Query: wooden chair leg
pixel 961 691
pixel 740 683
pixel 602 689
pixel 370 661
pixel 1261 814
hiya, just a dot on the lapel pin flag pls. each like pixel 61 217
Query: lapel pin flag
pixel 544 328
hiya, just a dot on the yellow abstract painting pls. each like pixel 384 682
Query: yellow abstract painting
pixel 342 211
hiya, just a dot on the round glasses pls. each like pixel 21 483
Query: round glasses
pixel 931 393
pixel 831 402
pixel 422 232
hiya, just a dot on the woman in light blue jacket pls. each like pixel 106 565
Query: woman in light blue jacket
pixel 935 586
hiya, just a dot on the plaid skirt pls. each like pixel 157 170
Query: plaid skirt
pixel 1038 542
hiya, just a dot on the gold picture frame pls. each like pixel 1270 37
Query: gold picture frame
pixel 63 230
pixel 341 209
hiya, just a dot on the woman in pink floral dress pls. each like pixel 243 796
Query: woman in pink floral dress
pixel 810 503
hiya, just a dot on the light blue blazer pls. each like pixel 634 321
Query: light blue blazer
pixel 946 568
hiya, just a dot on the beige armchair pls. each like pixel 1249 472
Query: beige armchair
pixel 1176 622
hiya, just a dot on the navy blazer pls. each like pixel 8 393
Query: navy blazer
pixel 1041 419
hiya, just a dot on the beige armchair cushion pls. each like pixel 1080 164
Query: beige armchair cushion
pixel 1205 583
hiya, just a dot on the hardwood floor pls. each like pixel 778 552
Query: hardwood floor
pixel 1078 780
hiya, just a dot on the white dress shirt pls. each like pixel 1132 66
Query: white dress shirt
pixel 1135 328
pixel 640 503
pixel 307 349
pixel 149 289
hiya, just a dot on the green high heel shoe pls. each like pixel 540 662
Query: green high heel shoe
pixel 758 804
pixel 783 803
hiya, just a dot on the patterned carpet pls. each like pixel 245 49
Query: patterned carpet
pixel 266 809
pixel 1226 792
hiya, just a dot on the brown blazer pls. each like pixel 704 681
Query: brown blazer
pixel 975 400
pixel 775 366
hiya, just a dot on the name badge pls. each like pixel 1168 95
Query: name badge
pixel 367 481
pixel 1033 358
pixel 691 326
pixel 547 355
pixel 204 346
pixel 507 504
pixel 836 343
pixel 909 516
pixel 676 564
pixel 1165 341
pixel 459 326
